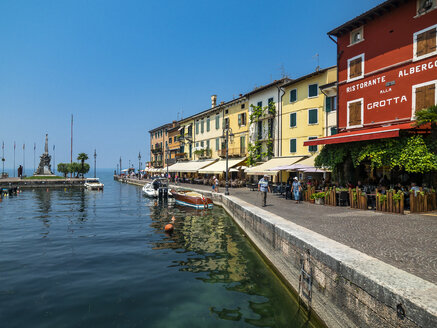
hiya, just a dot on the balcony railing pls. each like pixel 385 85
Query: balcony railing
pixel 156 150
pixel 233 152
pixel 203 153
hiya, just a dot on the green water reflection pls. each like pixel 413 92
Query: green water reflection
pixel 223 256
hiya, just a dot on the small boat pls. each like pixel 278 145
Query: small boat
pixel 93 184
pixel 192 199
pixel 152 189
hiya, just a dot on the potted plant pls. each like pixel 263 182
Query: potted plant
pixel 312 198
pixel 319 198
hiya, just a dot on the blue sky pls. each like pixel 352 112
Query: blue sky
pixel 124 67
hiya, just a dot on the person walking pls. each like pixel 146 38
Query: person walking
pixel 216 182
pixel 213 183
pixel 296 187
pixel 263 186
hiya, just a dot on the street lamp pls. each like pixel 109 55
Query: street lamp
pixel 139 164
pixel 228 134
pixel 120 166
pixel 3 159
pixel 166 153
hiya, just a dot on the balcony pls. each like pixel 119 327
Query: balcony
pixel 233 152
pixel 156 150
pixel 157 164
pixel 203 153
pixel 181 155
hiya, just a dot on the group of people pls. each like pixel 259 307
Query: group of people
pixel 264 188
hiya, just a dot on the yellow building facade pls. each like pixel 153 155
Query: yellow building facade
pixel 306 112
pixel 236 112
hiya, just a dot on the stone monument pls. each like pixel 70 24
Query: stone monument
pixel 44 167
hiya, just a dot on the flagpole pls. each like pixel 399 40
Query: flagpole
pixel 54 160
pixel 24 158
pixel 14 157
pixel 3 158
pixel 34 151
pixel 71 146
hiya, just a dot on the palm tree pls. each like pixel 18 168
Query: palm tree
pixel 82 157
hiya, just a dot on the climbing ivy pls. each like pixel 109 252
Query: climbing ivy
pixel 254 150
pixel 411 153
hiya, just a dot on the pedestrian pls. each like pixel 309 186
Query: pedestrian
pixel 216 182
pixel 263 186
pixel 296 187
pixel 176 179
pixel 213 183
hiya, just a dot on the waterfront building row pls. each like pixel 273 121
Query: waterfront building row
pixel 387 72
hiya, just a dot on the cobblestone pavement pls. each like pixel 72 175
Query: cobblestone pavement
pixel 408 242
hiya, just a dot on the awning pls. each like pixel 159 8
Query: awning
pixel 274 162
pixel 306 163
pixel 190 166
pixel 391 131
pixel 220 166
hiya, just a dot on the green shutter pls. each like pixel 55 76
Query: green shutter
pixel 292 145
pixel 208 125
pixel 292 119
pixel 312 116
pixel 293 95
pixel 217 144
pixel 312 148
pixel 217 122
pixel 333 131
pixel 207 144
pixel 239 119
pixel 328 104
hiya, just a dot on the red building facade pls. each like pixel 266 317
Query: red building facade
pixel 387 69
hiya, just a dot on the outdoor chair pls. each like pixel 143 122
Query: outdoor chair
pixel 343 198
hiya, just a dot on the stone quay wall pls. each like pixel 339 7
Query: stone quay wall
pixel 349 288
pixel 41 183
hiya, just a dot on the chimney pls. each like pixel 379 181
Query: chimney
pixel 213 101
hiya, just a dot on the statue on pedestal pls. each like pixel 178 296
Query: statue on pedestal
pixel 44 167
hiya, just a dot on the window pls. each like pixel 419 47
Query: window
pixel 312 116
pixel 227 111
pixel 202 144
pixel 241 119
pixel 202 126
pixel 312 148
pixel 331 104
pixel 243 144
pixel 208 124
pixel 355 113
pixel 217 144
pixel 424 95
pixel 333 131
pixel 191 150
pixel 270 100
pixel 197 144
pixel 293 95
pixel 197 127
pixel 293 120
pixel 170 140
pixel 226 123
pixel 217 122
pixel 313 90
pixel 190 130
pixel 425 43
pixel 355 68
pixel 292 145
pixel 243 106
pixel 207 144
pixel 260 104
pixel 424 6
pixel 356 35
pixel 260 130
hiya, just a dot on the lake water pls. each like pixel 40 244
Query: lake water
pixel 75 258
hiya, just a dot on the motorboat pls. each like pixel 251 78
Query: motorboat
pixel 152 189
pixel 192 199
pixel 93 184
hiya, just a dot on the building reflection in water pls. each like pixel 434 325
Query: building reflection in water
pixel 216 248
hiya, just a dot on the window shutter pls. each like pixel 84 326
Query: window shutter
pixel 243 118
pixel 293 95
pixel 328 104
pixel 217 144
pixel 333 131
pixel 239 119
pixel 312 148
pixel 292 119
pixel 358 71
pixel 431 40
pixel 430 96
pixel 421 44
pixel 312 116
pixel 292 145
pixel 355 113
pixel 420 98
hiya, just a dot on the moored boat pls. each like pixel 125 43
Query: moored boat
pixel 152 189
pixel 93 184
pixel 192 199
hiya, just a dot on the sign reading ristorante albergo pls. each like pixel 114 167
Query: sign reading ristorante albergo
pixel 387 65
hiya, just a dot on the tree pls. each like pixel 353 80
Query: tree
pixel 64 168
pixel 74 168
pixel 82 157
pixel 84 169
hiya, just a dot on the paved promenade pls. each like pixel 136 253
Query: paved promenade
pixel 408 242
